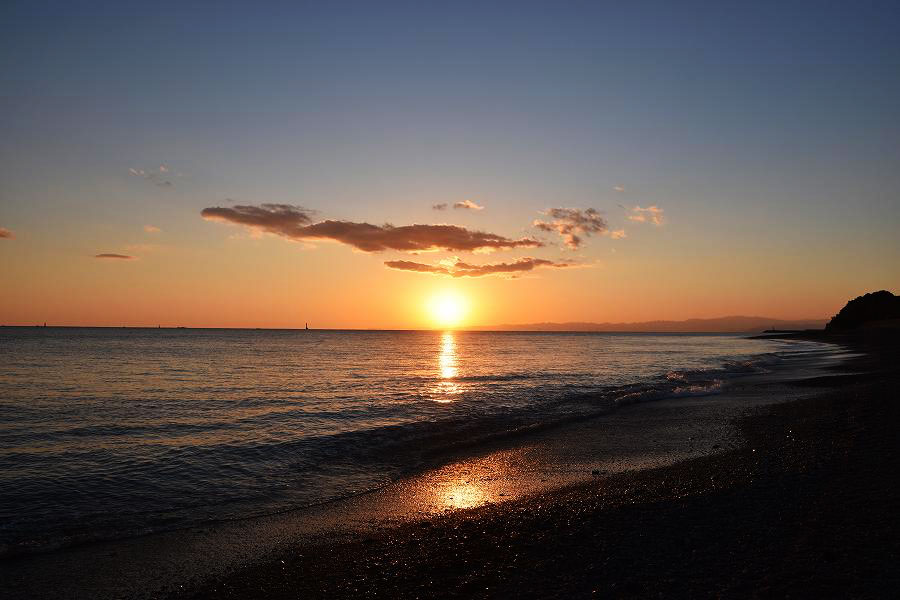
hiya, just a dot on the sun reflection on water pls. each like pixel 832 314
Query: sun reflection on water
pixel 447 369
pixel 448 356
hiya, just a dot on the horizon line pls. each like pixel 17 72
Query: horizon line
pixel 491 327
pixel 473 329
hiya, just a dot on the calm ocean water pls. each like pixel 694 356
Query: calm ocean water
pixel 113 432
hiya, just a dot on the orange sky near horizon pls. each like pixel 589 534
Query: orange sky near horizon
pixel 270 283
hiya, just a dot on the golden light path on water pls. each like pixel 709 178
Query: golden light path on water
pixel 455 489
pixel 447 369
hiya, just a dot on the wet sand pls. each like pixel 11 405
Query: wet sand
pixel 804 506
pixel 558 512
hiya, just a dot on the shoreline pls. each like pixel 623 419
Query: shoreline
pixel 455 445
pixel 171 562
pixel 804 507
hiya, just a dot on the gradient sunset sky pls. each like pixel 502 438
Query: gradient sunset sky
pixel 236 164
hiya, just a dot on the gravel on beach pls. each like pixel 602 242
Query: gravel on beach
pixel 806 507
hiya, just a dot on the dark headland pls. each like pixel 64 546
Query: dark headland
pixel 804 506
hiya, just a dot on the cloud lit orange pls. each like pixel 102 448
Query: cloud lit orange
pixel 463 269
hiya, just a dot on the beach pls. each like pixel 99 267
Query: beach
pixel 804 507
pixel 783 482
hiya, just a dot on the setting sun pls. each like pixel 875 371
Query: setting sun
pixel 447 309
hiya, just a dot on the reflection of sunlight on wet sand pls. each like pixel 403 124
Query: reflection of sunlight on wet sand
pixel 447 368
pixel 463 494
pixel 470 483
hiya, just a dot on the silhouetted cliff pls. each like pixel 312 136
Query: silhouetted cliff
pixel 875 306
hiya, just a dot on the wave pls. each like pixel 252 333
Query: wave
pixel 337 461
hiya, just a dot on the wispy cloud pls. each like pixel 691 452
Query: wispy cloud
pixel 160 176
pixel 569 222
pixel 441 206
pixel 458 268
pixel 467 204
pixel 110 255
pixel 6 234
pixel 295 223
pixel 653 214
pixel 152 229
pixel 617 234
pixel 619 188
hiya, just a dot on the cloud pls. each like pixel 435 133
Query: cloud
pixel 158 177
pixel 654 214
pixel 152 229
pixel 619 188
pixel 458 268
pixel 408 265
pixel 441 206
pixel 281 219
pixel 6 234
pixel 618 234
pixel 295 223
pixel 568 222
pixel 467 204
pixel 115 256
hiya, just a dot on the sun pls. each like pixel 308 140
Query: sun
pixel 447 309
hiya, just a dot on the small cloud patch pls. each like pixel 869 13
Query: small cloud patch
pixel 468 205
pixel 161 176
pixel 112 256
pixel 569 222
pixel 651 214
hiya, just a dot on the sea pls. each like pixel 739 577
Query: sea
pixel 114 432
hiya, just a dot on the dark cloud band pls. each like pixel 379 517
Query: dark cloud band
pixel 463 269
pixel 114 256
pixel 295 223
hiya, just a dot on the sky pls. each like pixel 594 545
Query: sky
pixel 355 165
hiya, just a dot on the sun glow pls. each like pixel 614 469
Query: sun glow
pixel 447 309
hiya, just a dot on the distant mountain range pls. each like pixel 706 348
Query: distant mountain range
pixel 735 324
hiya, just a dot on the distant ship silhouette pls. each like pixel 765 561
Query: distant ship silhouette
pixel 307 326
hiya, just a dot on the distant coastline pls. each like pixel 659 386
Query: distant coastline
pixel 732 324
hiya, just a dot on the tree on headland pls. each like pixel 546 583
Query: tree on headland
pixel 875 306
